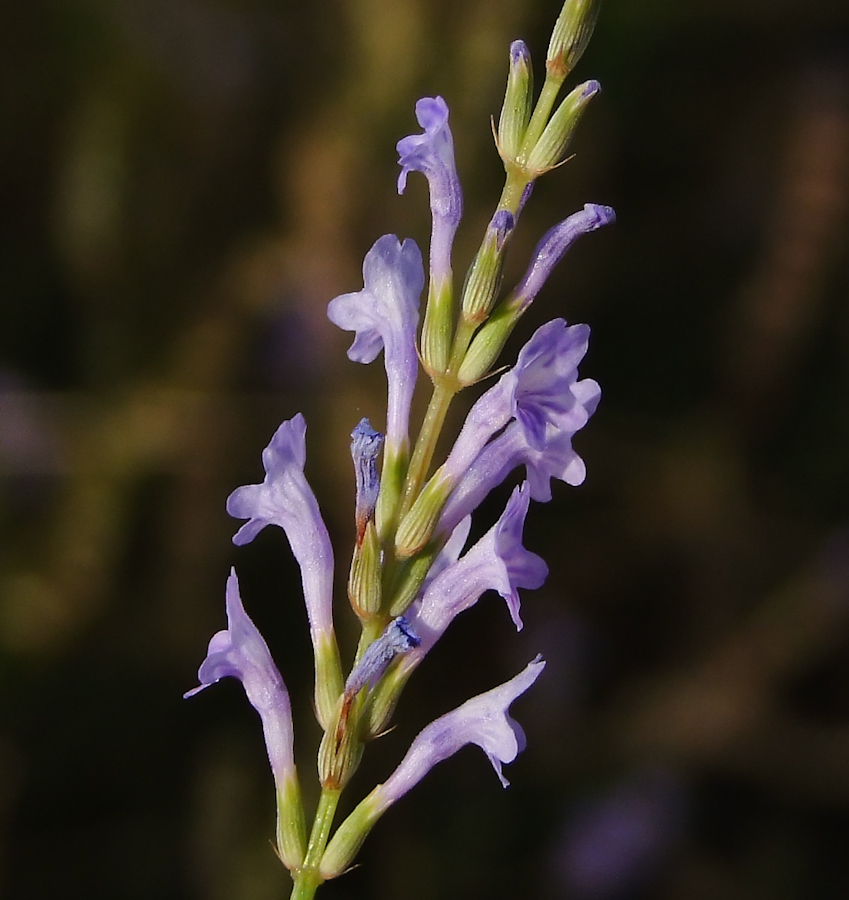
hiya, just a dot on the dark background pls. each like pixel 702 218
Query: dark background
pixel 184 185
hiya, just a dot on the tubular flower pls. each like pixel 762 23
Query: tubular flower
pixel 432 154
pixel 537 392
pixel 241 652
pixel 497 562
pixel 385 315
pixel 555 459
pixel 285 499
pixel 483 720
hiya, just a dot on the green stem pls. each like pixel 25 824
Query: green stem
pixel 443 394
pixel 308 878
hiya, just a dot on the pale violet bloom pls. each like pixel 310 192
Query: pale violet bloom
pixel 497 562
pixel 432 154
pixel 285 499
pixel 483 720
pixel 537 392
pixel 385 315
pixel 555 242
pixel 512 448
pixel 241 652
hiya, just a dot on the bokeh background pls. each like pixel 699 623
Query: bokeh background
pixel 184 185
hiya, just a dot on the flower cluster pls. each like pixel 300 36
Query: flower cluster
pixel 411 572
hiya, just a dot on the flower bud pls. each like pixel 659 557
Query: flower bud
pixel 291 832
pixel 348 839
pixel 484 276
pixel 516 110
pixel 487 345
pixel 413 573
pixel 383 700
pixel 364 579
pixel 417 526
pixel 341 749
pixel 438 328
pixel 572 33
pixel 550 149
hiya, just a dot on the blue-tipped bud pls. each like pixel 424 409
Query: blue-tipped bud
pixel 489 341
pixel 572 33
pixel 397 638
pixel 518 98
pixel 550 149
pixel 365 447
pixel 484 276
pixel 364 582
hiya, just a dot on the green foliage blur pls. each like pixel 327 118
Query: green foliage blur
pixel 184 185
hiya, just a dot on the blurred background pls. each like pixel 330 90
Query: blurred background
pixel 184 185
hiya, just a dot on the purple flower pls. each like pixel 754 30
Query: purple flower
pixel 483 720
pixel 432 154
pixel 285 499
pixel 385 315
pixel 241 652
pixel 549 251
pixel 497 562
pixel 512 448
pixel 537 392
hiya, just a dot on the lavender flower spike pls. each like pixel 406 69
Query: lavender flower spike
pixel 241 652
pixel 384 315
pixel 554 244
pixel 483 720
pixel 498 562
pixel 285 499
pixel 432 154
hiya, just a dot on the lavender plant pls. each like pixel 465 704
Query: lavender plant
pixel 410 574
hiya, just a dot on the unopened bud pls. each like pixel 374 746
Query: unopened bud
pixel 438 327
pixel 518 98
pixel 572 33
pixel 484 276
pixel 551 148
pixel 412 575
pixel 341 749
pixel 348 839
pixel 383 700
pixel 417 526
pixel 487 344
pixel 291 830
pixel 328 679
pixel 364 579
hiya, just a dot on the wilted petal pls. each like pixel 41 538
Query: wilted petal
pixel 285 499
pixel 497 562
pixel 385 315
pixel 241 652
pixel 432 154
pixel 483 720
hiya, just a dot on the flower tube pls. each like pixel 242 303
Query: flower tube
pixel 240 652
pixel 285 499
pixel 484 720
